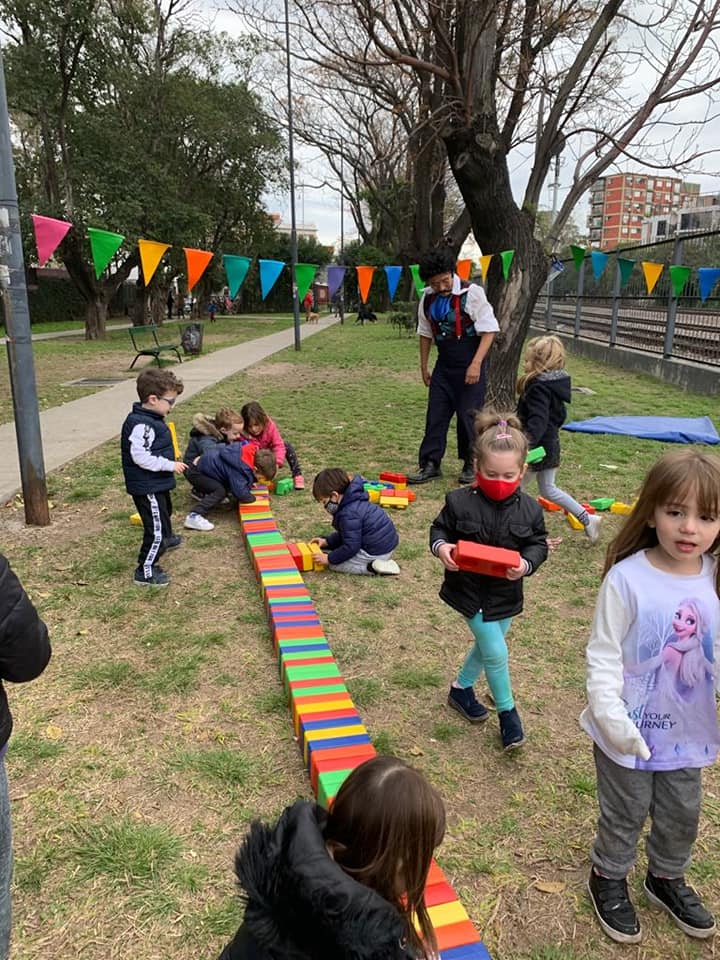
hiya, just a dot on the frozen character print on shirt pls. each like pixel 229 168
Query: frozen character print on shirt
pixel 670 692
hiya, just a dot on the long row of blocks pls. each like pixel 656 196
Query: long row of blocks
pixel 330 731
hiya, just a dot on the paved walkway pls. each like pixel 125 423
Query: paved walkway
pixel 83 425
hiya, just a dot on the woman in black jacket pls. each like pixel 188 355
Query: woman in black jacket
pixel 24 654
pixel 343 885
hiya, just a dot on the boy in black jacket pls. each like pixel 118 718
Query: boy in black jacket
pixel 149 466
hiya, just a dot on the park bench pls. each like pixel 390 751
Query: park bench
pixel 146 344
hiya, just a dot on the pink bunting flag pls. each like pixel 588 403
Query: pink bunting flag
pixel 48 236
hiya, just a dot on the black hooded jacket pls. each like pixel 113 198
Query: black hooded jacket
pixel 300 905
pixel 541 409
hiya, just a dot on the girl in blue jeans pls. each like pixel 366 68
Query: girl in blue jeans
pixel 495 512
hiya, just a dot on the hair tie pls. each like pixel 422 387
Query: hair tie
pixel 502 433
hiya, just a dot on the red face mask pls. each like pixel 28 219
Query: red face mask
pixel 496 489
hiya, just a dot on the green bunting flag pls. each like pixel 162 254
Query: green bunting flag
pixel 625 267
pixel 419 285
pixel 507 258
pixel 304 276
pixel 578 255
pixel 236 269
pixel 103 246
pixel 679 277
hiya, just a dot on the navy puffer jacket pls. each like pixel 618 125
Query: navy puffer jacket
pixel 360 525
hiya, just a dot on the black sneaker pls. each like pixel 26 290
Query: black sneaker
pixel 467 704
pixel 614 908
pixel 683 904
pixel 170 543
pixel 468 475
pixel 246 498
pixel 430 471
pixel 196 495
pixel 158 578
pixel 511 730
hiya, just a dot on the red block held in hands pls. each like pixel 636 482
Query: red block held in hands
pixel 478 558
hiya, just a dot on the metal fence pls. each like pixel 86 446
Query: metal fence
pixel 681 327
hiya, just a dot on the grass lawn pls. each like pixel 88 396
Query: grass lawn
pixel 160 728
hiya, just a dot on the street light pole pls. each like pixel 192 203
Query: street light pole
pixel 342 232
pixel 17 325
pixel 291 158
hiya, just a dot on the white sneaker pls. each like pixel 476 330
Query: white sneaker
pixel 385 568
pixel 196 521
pixel 592 530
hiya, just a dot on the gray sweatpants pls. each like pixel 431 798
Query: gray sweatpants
pixel 359 563
pixel 625 798
pixel 549 490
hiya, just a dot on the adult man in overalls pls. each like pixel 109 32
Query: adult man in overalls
pixel 461 322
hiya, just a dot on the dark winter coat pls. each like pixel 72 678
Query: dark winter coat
pixel 541 409
pixel 301 905
pixel 204 435
pixel 515 523
pixel 157 442
pixel 360 525
pixel 223 462
pixel 24 645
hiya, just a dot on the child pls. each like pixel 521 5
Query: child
pixel 544 391
pixel 653 721
pixel 260 428
pixel 226 427
pixel 226 464
pixel 346 884
pixel 493 511
pixel 149 467
pixel 364 536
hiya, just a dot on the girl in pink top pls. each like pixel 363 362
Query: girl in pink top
pixel 260 428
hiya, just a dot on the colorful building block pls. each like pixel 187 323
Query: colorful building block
pixel 548 505
pixel 574 522
pixel 394 478
pixel 536 454
pixel 396 503
pixel 588 506
pixel 283 486
pixel 625 509
pixel 479 558
pixel 602 503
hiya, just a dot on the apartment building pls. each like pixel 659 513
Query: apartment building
pixel 696 215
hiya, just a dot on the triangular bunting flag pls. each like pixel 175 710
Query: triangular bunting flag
pixel 507 258
pixel 304 276
pixel 419 285
pixel 48 234
pixel 151 253
pixel 679 276
pixel 364 275
pixel 625 267
pixel 599 262
pixel 463 268
pixel 393 274
pixel 707 278
pixel 236 269
pixel 335 276
pixel 197 262
pixel 270 270
pixel 578 255
pixel 652 273
pixel 485 265
pixel 103 246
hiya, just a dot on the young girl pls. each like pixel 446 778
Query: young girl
pixel 543 393
pixel 260 428
pixel 653 734
pixel 343 885
pixel 226 427
pixel 364 536
pixel 492 511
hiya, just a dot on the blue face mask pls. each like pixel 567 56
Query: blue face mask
pixel 332 507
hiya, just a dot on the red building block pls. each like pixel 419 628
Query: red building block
pixel 548 505
pixel 478 558
pixel 388 477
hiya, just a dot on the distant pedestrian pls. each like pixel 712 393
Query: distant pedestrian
pixel 170 302
pixel 308 305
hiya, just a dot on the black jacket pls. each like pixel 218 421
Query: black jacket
pixel 515 523
pixel 360 525
pixel 24 644
pixel 204 435
pixel 541 409
pixel 223 462
pixel 157 441
pixel 300 905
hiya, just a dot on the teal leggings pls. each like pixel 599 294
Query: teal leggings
pixel 489 653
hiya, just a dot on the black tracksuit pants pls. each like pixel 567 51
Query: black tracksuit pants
pixel 213 491
pixel 155 510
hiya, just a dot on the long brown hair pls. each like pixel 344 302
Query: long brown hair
pixel 382 830
pixel 671 478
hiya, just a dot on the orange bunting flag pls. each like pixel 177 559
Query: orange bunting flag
pixel 652 273
pixel 364 275
pixel 197 262
pixel 151 253
pixel 485 265
pixel 463 268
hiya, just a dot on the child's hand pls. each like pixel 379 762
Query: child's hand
pixel 320 541
pixel 180 467
pixel 321 559
pixel 515 573
pixel 446 552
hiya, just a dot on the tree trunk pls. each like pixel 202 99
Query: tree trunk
pixel 479 164
pixel 96 312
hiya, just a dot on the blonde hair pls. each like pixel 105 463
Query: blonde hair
pixel 543 354
pixel 498 433
pixel 226 417
pixel 671 479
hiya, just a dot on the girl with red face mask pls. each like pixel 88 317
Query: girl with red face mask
pixel 495 512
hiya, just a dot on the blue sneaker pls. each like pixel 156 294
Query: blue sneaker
pixel 511 730
pixel 467 704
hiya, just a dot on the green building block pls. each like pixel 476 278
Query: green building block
pixel 339 688
pixel 283 486
pixel 602 503
pixel 329 783
pixel 265 539
pixel 537 453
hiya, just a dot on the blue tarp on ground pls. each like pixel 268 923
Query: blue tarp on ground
pixel 669 429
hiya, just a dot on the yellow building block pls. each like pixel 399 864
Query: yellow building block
pixel 317 567
pixel 446 913
pixel 330 733
pixel 373 496
pixel 574 522
pixel 136 519
pixel 173 434
pixel 398 503
pixel 306 552
pixel 625 509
